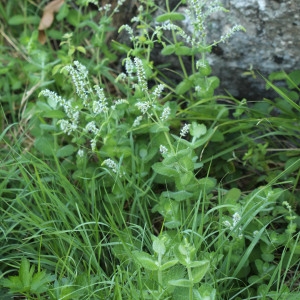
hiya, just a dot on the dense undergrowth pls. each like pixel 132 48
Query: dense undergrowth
pixel 119 181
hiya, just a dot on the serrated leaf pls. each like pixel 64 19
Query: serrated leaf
pixel 44 145
pixel 25 273
pixel 181 283
pixel 232 196
pixel 54 114
pixel 175 158
pixel 168 50
pixel 43 106
pixel 65 151
pixel 40 282
pixel 207 184
pixel 159 168
pixel 177 196
pixel 280 75
pixel 155 128
pixel 203 140
pixel 159 246
pixel 48 127
pixel 197 130
pixel 199 270
pixel 184 50
pixel 218 136
pixel 183 86
pixel 145 260
pixel 14 283
pixel 186 178
pixel 169 264
pixel 293 79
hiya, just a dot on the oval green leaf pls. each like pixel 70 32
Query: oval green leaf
pixel 172 16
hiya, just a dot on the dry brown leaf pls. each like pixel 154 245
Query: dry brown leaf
pixel 42 37
pixel 48 17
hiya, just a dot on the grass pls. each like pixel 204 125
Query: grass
pixel 172 192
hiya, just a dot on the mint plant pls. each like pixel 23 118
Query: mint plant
pixel 128 184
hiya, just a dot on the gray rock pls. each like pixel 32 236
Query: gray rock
pixel 271 43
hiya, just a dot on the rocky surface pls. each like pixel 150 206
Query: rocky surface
pixel 271 43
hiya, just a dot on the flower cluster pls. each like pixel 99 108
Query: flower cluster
pixel 100 105
pixel 163 149
pixel 91 127
pixel 79 76
pixel 143 106
pixel 141 75
pixel 129 67
pixel 178 31
pixel 232 226
pixel 234 29
pixel 166 113
pixel 129 30
pixel 113 166
pixel 106 8
pixel 71 110
pixel 185 130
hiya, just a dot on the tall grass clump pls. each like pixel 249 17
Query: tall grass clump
pixel 126 183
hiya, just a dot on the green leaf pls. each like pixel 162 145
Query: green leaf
pixel 197 130
pixel 65 151
pixel 177 196
pixel 40 282
pixel 175 158
pixel 282 94
pixel 205 70
pixel 207 184
pixel 218 136
pixel 232 196
pixel 184 50
pixel 145 260
pixel 199 272
pixel 186 178
pixel 122 48
pixel 159 246
pixel 14 283
pixel 63 12
pixel 280 75
pixel 203 140
pixel 168 50
pixel 172 16
pixel 169 264
pixel 159 168
pixel 25 273
pixel 73 17
pixel 48 127
pixel 155 128
pixel 183 86
pixel 44 145
pixel 81 49
pixel 181 283
pixel 54 114
pixel 23 19
pixel 293 79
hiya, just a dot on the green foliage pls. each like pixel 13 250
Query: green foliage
pixel 28 282
pixel 141 186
